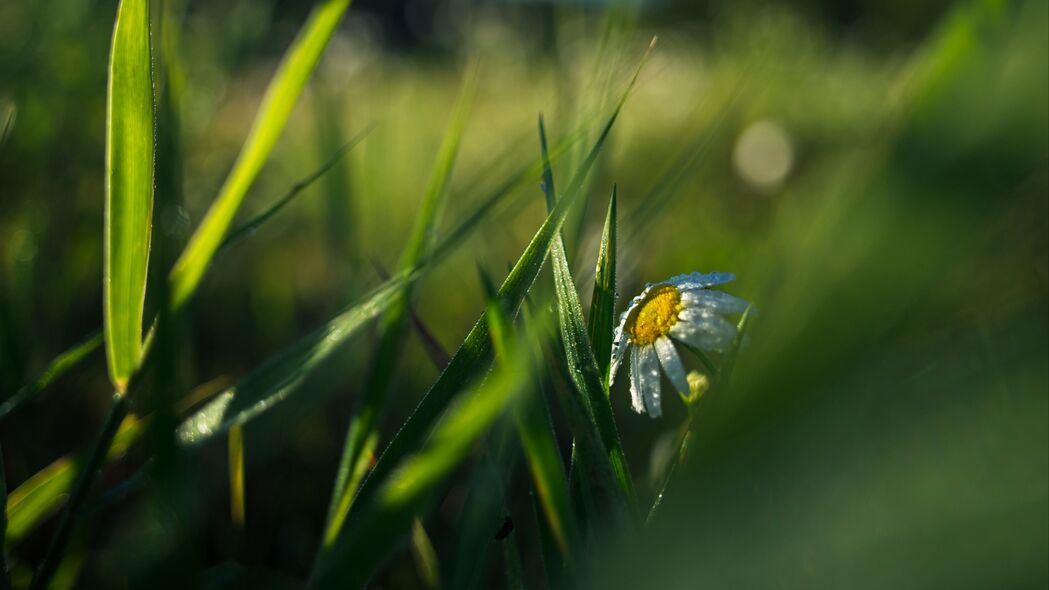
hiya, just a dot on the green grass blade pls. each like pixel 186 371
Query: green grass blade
pixel 39 496
pixel 283 92
pixel 387 515
pixel 265 387
pixel 280 376
pixel 253 224
pixel 59 366
pixel 515 579
pixel 548 471
pixel 380 374
pixel 484 508
pixel 579 356
pixel 474 355
pixel 42 494
pixel 425 556
pixel 129 188
pixel 85 477
pixel 71 358
pixel 236 477
pixel 550 552
pixel 540 449
pixel 602 321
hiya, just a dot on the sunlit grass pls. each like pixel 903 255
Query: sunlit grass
pixel 883 418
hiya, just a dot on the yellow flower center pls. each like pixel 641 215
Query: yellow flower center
pixel 654 317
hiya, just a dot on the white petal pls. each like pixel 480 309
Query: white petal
pixel 716 301
pixel 698 280
pixel 710 333
pixel 636 397
pixel 648 378
pixel 672 364
pixel 620 344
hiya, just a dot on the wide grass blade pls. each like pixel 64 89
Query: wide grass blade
pixel 540 448
pixel 601 322
pixel 129 188
pixel 579 356
pixel 43 493
pixel 548 471
pixel 471 361
pixel 360 436
pixel 58 367
pixel 283 92
pixel 72 357
pixel 425 556
pixel 39 496
pixel 388 513
pixel 262 389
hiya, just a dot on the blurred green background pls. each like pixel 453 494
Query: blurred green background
pixel 875 173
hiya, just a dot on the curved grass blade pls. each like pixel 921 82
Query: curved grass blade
pixel 58 367
pixel 548 471
pixel 39 496
pixel 540 449
pixel 601 322
pixel 85 476
pixel 252 225
pixel 129 188
pixel 425 556
pixel 266 386
pixel 283 92
pixel 579 356
pixel 484 508
pixel 72 357
pixel 360 436
pixel 42 494
pixel 474 355
pixel 386 516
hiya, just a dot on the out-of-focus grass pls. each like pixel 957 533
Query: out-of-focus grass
pixel 887 423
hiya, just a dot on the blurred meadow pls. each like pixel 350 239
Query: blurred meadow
pixel 876 175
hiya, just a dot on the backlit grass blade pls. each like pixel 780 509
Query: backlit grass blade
pixel 72 357
pixel 411 488
pixel 540 448
pixel 236 476
pixel 579 355
pixel 474 355
pixel 601 322
pixel 551 553
pixel 129 188
pixel 40 495
pixel 548 471
pixel 262 389
pixel 283 92
pixel 59 366
pixel 253 224
pixel 425 556
pixel 484 508
pixel 84 477
pixel 361 432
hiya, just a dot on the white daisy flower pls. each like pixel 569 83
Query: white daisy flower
pixel 680 309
